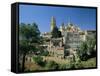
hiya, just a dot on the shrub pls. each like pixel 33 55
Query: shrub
pixel 39 60
pixel 45 53
pixel 52 65
pixel 62 66
pixel 78 65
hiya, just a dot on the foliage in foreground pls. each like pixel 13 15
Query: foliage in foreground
pixel 87 49
pixel 52 65
pixel 28 34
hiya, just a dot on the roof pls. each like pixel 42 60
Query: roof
pixel 60 48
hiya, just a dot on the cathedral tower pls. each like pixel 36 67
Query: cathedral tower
pixel 53 23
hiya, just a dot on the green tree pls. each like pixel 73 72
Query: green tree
pixel 86 49
pixel 91 45
pixel 56 33
pixel 82 51
pixel 29 38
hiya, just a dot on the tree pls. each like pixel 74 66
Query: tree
pixel 56 33
pixel 82 51
pixel 91 45
pixel 29 38
pixel 86 49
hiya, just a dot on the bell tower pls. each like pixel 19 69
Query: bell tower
pixel 53 23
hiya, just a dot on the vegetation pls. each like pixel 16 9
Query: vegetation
pixel 45 53
pixel 89 63
pixel 56 33
pixel 28 40
pixel 39 60
pixel 87 49
pixel 82 51
pixel 51 65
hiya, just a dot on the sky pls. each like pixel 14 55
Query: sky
pixel 85 18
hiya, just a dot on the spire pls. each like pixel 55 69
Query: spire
pixel 62 24
pixel 53 23
pixel 62 27
pixel 69 21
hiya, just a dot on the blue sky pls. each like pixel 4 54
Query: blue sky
pixel 85 18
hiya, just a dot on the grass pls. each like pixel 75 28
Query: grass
pixel 56 59
pixel 32 66
pixel 89 63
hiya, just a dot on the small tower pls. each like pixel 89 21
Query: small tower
pixel 53 23
pixel 69 22
pixel 62 27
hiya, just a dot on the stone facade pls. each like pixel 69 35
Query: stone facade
pixel 72 37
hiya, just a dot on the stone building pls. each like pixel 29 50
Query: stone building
pixel 56 47
pixel 72 37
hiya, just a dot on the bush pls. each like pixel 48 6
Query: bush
pixel 89 63
pixel 52 65
pixel 78 65
pixel 72 65
pixel 62 66
pixel 45 53
pixel 39 60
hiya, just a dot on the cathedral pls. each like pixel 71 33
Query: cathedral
pixel 71 39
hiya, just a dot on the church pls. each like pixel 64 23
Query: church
pixel 71 38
